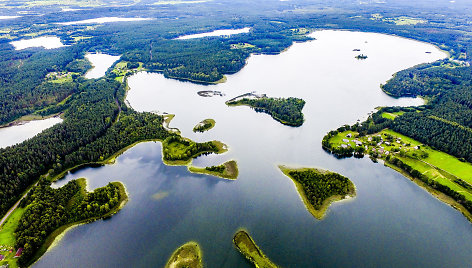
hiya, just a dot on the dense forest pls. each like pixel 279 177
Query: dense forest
pixel 287 111
pixel 47 209
pixel 319 186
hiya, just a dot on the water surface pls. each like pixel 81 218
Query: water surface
pixel 103 20
pixel 19 133
pixel 391 223
pixel 100 64
pixel 47 42
pixel 227 32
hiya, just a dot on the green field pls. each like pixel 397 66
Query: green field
pixel 436 165
pixel 7 239
pixel 391 116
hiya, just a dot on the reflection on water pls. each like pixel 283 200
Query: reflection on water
pixel 100 64
pixel 102 20
pixel 47 42
pixel 228 32
pixel 19 133
pixel 391 222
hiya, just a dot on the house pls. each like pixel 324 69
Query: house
pixel 388 143
pixel 345 140
pixel 2 257
pixel 344 146
pixel 369 139
pixel 349 135
pixel 387 153
pixel 18 253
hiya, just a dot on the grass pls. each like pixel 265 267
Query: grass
pixel 230 171
pixel 391 116
pixel 204 125
pixel 321 212
pixel 246 245
pixel 188 255
pixel 7 238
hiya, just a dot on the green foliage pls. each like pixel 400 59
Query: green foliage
pixel 320 186
pixel 177 148
pixel 219 169
pixel 47 209
pixel 288 111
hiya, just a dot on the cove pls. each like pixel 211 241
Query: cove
pixel 20 132
pixel 391 222
pixel 47 42
pixel 227 32
pixel 100 64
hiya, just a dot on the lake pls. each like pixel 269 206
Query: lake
pixel 102 20
pixel 391 223
pixel 19 133
pixel 100 64
pixel 226 32
pixel 47 42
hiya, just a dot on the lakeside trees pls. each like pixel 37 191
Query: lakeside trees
pixel 287 111
pixel 47 209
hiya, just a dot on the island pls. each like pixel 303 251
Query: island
pixel 180 151
pixel 228 170
pixel 204 125
pixel 287 111
pixel 246 245
pixel 188 255
pixel 319 188
pixel 361 57
pixel 46 212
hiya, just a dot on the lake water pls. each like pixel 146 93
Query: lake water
pixel 19 133
pixel 228 32
pixel 8 17
pixel 47 42
pixel 391 223
pixel 100 62
pixel 103 20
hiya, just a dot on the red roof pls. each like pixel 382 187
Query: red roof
pixel 2 257
pixel 18 252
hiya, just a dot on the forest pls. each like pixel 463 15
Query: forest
pixel 47 209
pixel 287 111
pixel 97 124
pixel 319 186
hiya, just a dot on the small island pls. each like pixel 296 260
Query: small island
pixel 228 170
pixel 319 188
pixel 246 245
pixel 188 255
pixel 361 57
pixel 210 93
pixel 287 111
pixel 180 151
pixel 204 125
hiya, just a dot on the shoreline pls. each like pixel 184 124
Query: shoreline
pixel 321 213
pixel 30 118
pixel 442 197
pixel 230 175
pixel 56 236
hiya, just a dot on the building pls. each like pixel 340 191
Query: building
pixel 18 253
